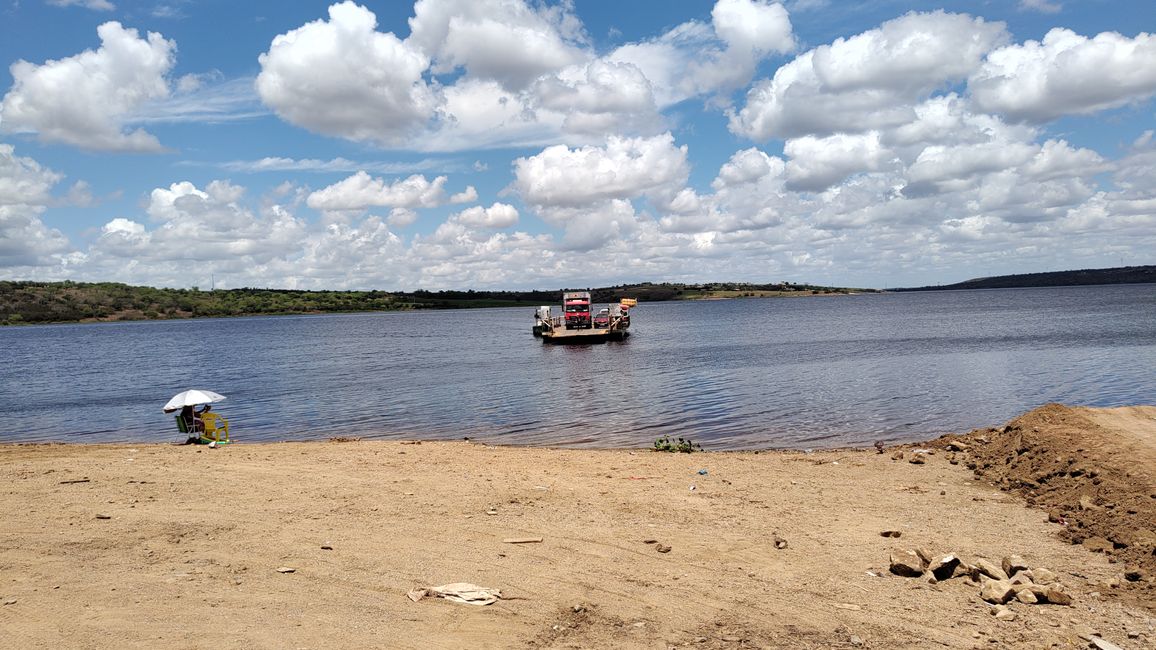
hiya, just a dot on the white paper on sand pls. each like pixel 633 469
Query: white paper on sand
pixel 459 592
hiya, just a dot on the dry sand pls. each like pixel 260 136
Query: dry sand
pixel 161 546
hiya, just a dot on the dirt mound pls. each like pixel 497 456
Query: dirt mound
pixel 1092 470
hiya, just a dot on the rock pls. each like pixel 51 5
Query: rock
pixel 326 547
pixel 856 641
pixel 997 591
pixel 780 543
pixel 898 455
pixel 1085 632
pixel 990 570
pixel 1103 644
pixel 286 569
pixel 1020 579
pixel 1097 544
pixel 1135 574
pixel 103 517
pixel 1003 613
pixel 891 533
pixel 650 541
pixel 963 570
pixel 1013 564
pixel 1056 597
pixel 906 564
pixel 955 445
pixel 11 601
pixel 916 459
pixel 944 567
pixel 1086 503
pixel 924 555
pixel 1027 597
pixel 1042 576
pixel 662 548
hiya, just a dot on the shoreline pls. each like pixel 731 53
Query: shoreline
pixel 171 546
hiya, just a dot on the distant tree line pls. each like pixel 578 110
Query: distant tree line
pixel 25 302
pixel 1118 275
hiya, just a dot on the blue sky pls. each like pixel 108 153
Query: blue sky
pixel 455 143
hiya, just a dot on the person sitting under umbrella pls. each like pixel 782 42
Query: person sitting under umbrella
pixel 192 418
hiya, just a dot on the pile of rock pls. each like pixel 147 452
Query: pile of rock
pixel 1013 580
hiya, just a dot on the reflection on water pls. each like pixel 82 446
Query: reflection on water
pixel 821 371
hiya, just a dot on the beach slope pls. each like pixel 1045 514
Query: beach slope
pixel 315 545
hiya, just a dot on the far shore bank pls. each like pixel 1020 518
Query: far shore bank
pixel 316 544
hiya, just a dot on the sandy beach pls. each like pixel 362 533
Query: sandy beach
pixel 316 545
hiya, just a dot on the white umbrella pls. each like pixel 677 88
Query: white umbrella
pixel 192 397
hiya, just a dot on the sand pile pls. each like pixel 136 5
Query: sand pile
pixel 1092 470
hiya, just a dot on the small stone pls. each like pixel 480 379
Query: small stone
pixel 906 564
pixel 326 547
pixel 1027 597
pixel 780 543
pixel 662 548
pixel 650 541
pixel 11 601
pixel 1135 574
pixel 964 570
pixel 1086 503
pixel 924 555
pixel 997 591
pixel 1104 644
pixel 1085 632
pixel 1013 564
pixel 944 567
pixel 286 569
pixel 578 609
pixel 700 639
pixel 1056 597
pixel 990 570
pixel 1003 613
pixel 897 455
pixel 916 459
pixel 1042 576
pixel 891 533
pixel 1097 544
pixel 103 517
pixel 856 641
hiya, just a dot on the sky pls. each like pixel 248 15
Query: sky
pixel 514 144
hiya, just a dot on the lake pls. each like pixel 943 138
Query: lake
pixel 732 374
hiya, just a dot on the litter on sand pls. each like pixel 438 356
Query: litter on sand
pixel 458 592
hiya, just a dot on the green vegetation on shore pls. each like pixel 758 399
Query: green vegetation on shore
pixel 1083 277
pixel 63 302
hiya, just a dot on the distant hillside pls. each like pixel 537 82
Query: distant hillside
pixel 62 302
pixel 1119 275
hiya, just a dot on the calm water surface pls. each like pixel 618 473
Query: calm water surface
pixel 733 374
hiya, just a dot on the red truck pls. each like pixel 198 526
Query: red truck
pixel 576 307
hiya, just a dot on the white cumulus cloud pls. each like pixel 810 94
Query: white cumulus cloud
pixel 1064 74
pixel 867 81
pixel 84 100
pixel 495 217
pixel 361 191
pixel 342 77
pixel 624 168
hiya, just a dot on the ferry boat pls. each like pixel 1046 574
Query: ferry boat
pixel 578 323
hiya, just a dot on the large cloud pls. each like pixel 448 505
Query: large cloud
pixel 624 168
pixel 867 81
pixel 1065 74
pixel 25 191
pixel 84 100
pixel 342 77
pixel 507 41
pixel 361 191
pixel 500 73
pixel 694 58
